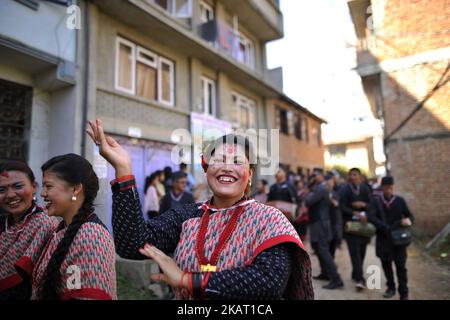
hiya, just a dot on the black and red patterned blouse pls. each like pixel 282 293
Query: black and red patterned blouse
pixel 263 257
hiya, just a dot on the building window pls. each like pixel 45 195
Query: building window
pixel 125 65
pixel 338 150
pixel 178 8
pixel 304 128
pixel 316 138
pixel 142 72
pixel 298 127
pixel 243 113
pixel 166 81
pixel 245 52
pixel 206 12
pixel 209 96
pixel 283 121
pixel 146 71
pixel 15 115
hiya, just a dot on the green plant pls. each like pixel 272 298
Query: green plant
pixel 127 291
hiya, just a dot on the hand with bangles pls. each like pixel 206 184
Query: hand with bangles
pixel 172 274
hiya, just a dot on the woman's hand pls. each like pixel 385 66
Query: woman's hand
pixel 171 272
pixel 112 151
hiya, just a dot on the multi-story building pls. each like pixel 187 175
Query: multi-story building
pixel 403 53
pixel 158 66
pixel 153 71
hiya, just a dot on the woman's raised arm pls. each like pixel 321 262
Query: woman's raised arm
pixel 110 149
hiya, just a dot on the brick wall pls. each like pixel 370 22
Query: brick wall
pixel 410 26
pixel 419 153
pixel 295 152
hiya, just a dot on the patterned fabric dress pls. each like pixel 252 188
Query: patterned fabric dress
pixel 28 236
pixel 88 270
pixel 263 252
pixel 259 227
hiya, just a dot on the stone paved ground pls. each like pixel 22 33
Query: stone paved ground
pixel 426 278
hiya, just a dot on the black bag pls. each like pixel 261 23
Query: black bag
pixel 401 236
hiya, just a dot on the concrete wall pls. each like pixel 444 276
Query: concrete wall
pixel 21 23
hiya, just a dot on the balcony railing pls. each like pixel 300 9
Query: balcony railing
pixel 226 39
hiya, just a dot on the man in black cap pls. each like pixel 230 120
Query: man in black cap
pixel 354 200
pixel 389 212
pixel 177 194
pixel 318 202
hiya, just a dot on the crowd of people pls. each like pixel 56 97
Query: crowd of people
pixel 228 247
pixel 232 246
pixel 165 190
pixel 330 208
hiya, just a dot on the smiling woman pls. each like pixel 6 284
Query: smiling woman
pixel 24 228
pixel 70 266
pixel 228 247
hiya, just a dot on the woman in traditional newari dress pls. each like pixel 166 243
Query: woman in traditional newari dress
pixel 78 261
pixel 21 223
pixel 228 247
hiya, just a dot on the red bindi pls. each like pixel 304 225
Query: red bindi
pixel 230 149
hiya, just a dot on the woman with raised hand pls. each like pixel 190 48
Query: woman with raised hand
pixel 22 223
pixel 230 247
pixel 78 261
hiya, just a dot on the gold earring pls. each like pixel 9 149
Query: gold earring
pixel 74 198
pixel 250 184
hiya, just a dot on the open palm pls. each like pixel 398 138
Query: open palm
pixel 110 149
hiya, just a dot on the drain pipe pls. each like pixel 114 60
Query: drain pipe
pixel 86 38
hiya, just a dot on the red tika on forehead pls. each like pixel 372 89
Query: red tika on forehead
pixel 230 149
pixel 4 174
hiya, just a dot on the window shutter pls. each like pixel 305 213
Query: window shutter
pixel 290 121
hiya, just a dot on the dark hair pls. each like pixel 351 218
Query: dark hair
pixel 355 170
pixel 149 180
pixel 178 175
pixel 167 173
pixel 264 182
pixel 17 165
pixel 234 139
pixel 284 168
pixel 387 181
pixel 74 170
pixel 183 166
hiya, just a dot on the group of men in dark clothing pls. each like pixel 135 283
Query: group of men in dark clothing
pixel 330 206
pixel 357 202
